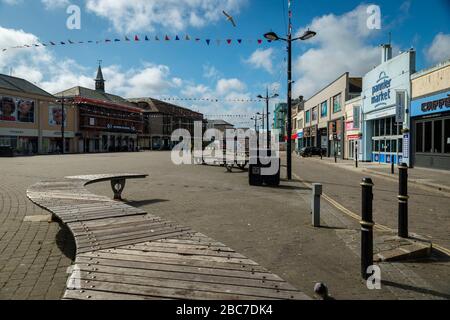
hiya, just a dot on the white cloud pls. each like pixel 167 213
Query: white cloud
pixel 341 45
pixel 12 2
pixel 262 59
pixel 172 15
pixel 440 48
pixel 225 86
pixel 55 4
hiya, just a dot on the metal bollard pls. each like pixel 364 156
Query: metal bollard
pixel 403 200
pixel 315 204
pixel 366 226
pixel 392 167
pixel 356 156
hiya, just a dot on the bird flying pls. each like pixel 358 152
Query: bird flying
pixel 229 18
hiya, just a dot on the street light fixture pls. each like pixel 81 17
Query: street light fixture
pixel 272 36
pixel 267 99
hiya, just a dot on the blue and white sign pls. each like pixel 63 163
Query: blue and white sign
pixel 430 105
pixel 381 84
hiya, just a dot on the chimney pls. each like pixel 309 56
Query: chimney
pixel 386 52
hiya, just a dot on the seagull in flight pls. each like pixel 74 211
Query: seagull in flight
pixel 229 18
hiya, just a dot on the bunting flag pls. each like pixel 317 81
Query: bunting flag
pixel 137 38
pixel 209 99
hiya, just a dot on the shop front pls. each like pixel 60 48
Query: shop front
pixel 386 96
pixel 336 138
pixel 21 141
pixel 430 127
pixel 299 139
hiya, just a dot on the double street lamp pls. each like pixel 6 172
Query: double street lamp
pixel 272 36
pixel 267 99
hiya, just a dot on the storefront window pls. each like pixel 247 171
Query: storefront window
pixel 447 136
pixel 382 127
pixel 393 145
pixel 438 136
pixel 376 127
pixel 376 146
pixel 388 146
pixel 388 126
pixel 307 116
pixel 382 146
pixel 428 136
pixel 419 137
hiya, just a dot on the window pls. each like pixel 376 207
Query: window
pixel 307 116
pixel 300 124
pixel 314 114
pixel 388 126
pixel 447 136
pixel 419 137
pixel 356 110
pixel 337 103
pixel 393 145
pixel 377 146
pixel 382 127
pixel 376 127
pixel 428 136
pixel 437 136
pixel 323 109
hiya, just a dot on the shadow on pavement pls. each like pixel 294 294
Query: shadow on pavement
pixel 142 203
pixel 415 289
pixel 65 241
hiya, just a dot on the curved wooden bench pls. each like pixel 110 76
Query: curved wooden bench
pixel 125 253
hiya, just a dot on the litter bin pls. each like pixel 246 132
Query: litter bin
pixel 255 172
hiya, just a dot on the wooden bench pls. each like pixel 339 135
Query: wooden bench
pixel 126 253
pixel 117 181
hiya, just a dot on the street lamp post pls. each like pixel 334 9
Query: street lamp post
pixel 267 99
pixel 274 37
pixel 62 125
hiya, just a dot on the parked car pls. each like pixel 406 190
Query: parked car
pixel 312 151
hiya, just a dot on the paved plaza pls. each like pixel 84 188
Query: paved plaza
pixel 271 226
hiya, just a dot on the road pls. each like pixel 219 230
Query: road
pixel 429 212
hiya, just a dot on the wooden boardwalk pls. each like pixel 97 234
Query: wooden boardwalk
pixel 126 253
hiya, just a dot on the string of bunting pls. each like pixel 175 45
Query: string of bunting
pixel 138 38
pixel 209 99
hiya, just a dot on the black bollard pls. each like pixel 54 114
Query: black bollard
pixel 366 226
pixel 356 156
pixel 392 166
pixel 403 200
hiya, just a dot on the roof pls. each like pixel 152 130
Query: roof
pixel 151 105
pixel 99 96
pixel 219 122
pixel 21 85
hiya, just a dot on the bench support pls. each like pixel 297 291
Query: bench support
pixel 117 186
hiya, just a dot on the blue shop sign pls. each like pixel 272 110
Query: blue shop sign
pixel 430 105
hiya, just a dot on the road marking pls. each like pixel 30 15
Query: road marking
pixel 353 215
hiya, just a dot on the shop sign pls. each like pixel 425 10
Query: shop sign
pixel 434 104
pixel 381 92
pixel 405 157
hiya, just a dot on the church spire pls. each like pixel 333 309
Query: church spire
pixel 99 80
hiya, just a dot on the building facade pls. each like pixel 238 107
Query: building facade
pixel 161 119
pixel 325 115
pixel 105 122
pixel 430 117
pixel 353 124
pixel 386 101
pixel 279 120
pixel 31 119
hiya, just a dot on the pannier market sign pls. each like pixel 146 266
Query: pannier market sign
pixel 381 92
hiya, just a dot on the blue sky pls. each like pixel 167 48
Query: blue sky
pixel 195 70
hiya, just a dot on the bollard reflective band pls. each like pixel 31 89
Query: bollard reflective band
pixel 367 184
pixel 367 223
pixel 405 198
